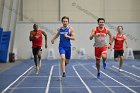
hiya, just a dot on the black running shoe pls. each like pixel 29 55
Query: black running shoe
pixel 64 74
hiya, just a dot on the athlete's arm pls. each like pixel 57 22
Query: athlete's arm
pixel 56 36
pixel 72 37
pixel 92 34
pixel 31 37
pixel 125 40
pixel 112 42
pixel 45 35
pixel 110 38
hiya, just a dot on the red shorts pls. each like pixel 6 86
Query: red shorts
pixel 99 51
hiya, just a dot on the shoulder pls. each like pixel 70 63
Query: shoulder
pixel 32 32
pixel 94 29
pixel 71 28
pixel 107 29
pixel 124 36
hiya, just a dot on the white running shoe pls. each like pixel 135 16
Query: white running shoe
pixel 120 70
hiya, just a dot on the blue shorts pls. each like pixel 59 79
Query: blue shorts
pixel 66 51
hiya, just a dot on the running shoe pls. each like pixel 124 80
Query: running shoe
pixel 64 74
pixel 120 70
pixel 98 75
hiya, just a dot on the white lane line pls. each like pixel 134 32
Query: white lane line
pixel 18 83
pixel 35 76
pixel 16 80
pixel 71 87
pixel 127 72
pixel 89 91
pixel 98 79
pixel 125 75
pixel 118 82
pixel 49 79
pixel 135 67
pixel 60 79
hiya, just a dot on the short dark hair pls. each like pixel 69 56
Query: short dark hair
pixel 64 17
pixel 100 19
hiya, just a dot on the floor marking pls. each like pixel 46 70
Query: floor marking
pixel 89 91
pixel 118 82
pixel 16 80
pixel 98 79
pixel 49 79
pixel 127 72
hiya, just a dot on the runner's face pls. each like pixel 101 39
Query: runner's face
pixel 101 23
pixel 35 27
pixel 120 30
pixel 65 22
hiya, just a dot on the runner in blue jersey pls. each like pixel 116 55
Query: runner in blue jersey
pixel 66 34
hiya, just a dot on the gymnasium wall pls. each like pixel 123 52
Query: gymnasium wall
pixel 22 45
pixel 82 10
pixel 1 10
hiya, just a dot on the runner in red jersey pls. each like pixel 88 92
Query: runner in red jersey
pixel 36 38
pixel 100 33
pixel 119 39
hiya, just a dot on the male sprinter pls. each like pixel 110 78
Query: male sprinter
pixel 119 40
pixel 99 33
pixel 66 34
pixel 36 38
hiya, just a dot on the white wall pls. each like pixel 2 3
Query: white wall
pixel 82 10
pixel 82 30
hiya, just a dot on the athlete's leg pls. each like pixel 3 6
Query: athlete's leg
pixel 98 64
pixel 67 62
pixel 63 64
pixel 104 56
pixel 121 62
pixel 34 50
pixel 98 56
pixel 39 57
pixel 63 59
pixel 115 55
pixel 121 59
pixel 67 55
pixel 35 60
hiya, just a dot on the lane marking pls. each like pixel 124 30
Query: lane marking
pixel 127 72
pixel 118 82
pixel 71 87
pixel 125 75
pixel 16 80
pixel 135 67
pixel 98 79
pixel 49 79
pixel 89 91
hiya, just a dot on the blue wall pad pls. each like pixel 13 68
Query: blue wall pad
pixel 4 46
pixel 1 30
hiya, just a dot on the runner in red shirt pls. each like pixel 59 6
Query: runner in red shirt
pixel 119 39
pixel 100 33
pixel 36 38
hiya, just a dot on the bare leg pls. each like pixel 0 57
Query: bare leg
pixel 104 57
pixel 98 65
pixel 39 57
pixel 62 62
pixel 121 62
pixel 67 62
